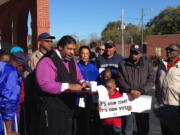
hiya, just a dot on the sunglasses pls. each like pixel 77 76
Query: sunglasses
pixel 170 50
pixel 48 41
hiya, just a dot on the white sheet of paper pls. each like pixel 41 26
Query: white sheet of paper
pixel 103 93
pixel 142 104
pixel 93 86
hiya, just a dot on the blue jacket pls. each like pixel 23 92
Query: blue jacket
pixel 89 71
pixel 10 84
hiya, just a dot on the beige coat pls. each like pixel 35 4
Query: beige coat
pixel 168 84
pixel 35 57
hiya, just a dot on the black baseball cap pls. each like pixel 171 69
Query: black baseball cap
pixel 137 48
pixel 45 35
pixel 109 45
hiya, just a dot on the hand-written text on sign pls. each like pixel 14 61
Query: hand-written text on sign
pixel 114 107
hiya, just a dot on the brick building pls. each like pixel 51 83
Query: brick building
pixel 156 44
pixel 126 48
pixel 14 20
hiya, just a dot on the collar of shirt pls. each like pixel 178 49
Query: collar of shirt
pixel 59 54
pixel 65 62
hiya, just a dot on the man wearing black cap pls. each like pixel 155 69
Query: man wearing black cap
pixel 110 59
pixel 10 85
pixel 136 77
pixel 45 42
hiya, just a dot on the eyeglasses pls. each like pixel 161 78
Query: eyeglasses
pixel 48 41
pixel 170 50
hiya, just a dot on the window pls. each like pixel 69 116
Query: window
pixel 158 51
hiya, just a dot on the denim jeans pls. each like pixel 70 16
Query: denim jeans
pixel 117 129
pixel 136 124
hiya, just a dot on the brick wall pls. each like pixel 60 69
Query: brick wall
pixel 160 41
pixel 16 12
pixel 43 22
pixel 126 48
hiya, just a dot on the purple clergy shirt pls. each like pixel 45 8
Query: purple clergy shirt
pixel 46 73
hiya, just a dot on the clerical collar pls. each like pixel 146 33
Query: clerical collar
pixel 59 54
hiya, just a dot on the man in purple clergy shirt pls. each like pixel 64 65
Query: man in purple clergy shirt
pixel 57 72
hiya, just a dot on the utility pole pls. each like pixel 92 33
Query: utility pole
pixel 122 31
pixel 142 25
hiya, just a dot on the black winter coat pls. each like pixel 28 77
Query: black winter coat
pixel 132 76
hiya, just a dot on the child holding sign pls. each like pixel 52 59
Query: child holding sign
pixel 112 126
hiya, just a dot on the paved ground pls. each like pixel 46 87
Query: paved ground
pixel 154 123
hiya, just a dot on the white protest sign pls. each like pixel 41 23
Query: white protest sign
pixel 118 107
pixel 103 93
pixel 141 104
pixel 114 107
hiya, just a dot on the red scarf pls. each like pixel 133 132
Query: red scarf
pixel 170 65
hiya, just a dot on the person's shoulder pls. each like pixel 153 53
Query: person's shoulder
pixel 92 63
pixel 2 63
pixel 100 57
pixel 45 63
pixel 162 64
pixel 2 66
pixel 117 94
pixel 11 67
pixel 79 64
pixel 147 62
pixel 118 55
pixel 45 60
pixel 123 61
pixel 6 67
pixel 165 61
pixel 36 53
